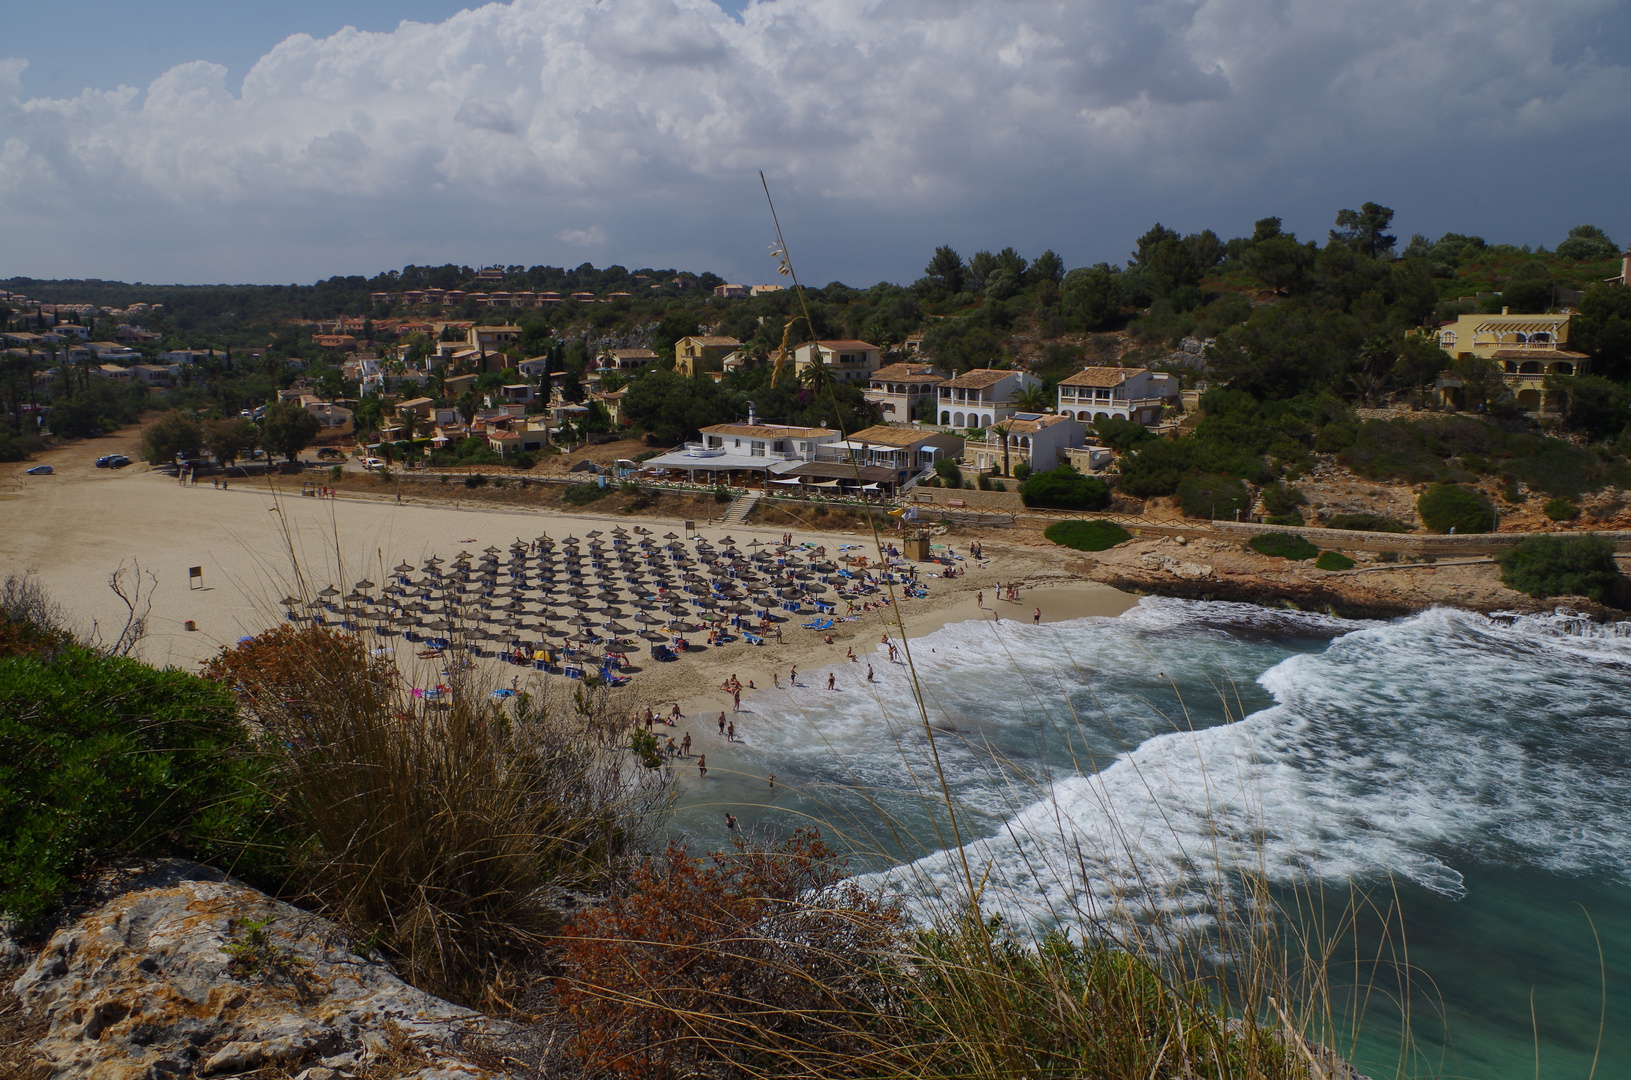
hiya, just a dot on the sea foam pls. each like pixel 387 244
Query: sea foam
pixel 1399 749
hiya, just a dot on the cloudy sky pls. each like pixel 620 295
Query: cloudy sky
pixel 202 141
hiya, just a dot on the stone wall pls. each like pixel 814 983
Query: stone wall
pixel 1001 502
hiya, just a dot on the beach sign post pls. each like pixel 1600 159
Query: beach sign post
pixel 195 577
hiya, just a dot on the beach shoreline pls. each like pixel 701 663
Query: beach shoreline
pixel 256 541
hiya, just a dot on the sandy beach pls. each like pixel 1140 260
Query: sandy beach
pixel 74 528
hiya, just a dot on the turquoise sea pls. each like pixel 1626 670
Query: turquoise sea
pixel 1462 783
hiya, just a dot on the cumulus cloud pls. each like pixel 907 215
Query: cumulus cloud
pixel 495 134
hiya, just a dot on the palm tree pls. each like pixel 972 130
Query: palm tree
pixel 817 377
pixel 1035 397
pixel 1001 431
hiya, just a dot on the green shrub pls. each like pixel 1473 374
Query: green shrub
pixel 583 494
pixel 723 495
pixel 998 485
pixel 983 482
pixel 1290 517
pixel 102 756
pixel 1452 508
pixel 948 471
pixel 474 480
pixel 1366 523
pixel 1334 438
pixel 1022 471
pixel 1283 546
pixel 500 482
pixel 18 446
pixel 1213 496
pixel 1333 560
pixel 1280 499
pixel 1065 489
pixel 1561 510
pixel 1097 535
pixel 1544 566
pixel 1121 435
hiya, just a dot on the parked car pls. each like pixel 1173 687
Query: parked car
pixel 373 463
pixel 41 470
pixel 105 461
pixel 118 461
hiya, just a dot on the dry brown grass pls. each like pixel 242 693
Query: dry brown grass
pixel 443 833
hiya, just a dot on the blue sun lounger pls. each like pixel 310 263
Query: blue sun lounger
pixel 818 624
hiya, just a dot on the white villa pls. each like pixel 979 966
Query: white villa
pixel 981 397
pixel 1099 393
pixel 1039 440
pixel 898 389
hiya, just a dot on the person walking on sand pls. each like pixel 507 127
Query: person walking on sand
pixel 869 673
pixel 775 680
pixel 832 681
pixel 979 598
pixel 793 675
pixel 736 699
pixel 1036 617
pixel 702 765
pixel 730 731
pixel 849 654
pixel 722 722
pixel 685 745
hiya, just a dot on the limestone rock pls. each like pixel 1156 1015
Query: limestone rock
pixel 1192 571
pixel 198 975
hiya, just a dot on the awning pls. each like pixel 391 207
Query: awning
pixel 869 487
pixel 825 484
pixel 794 482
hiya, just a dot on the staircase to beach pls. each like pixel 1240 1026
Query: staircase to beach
pixel 738 510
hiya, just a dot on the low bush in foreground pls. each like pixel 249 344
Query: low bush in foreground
pixel 1283 546
pixel 1333 560
pixel 767 962
pixel 1544 566
pixel 1366 523
pixel 1065 489
pixel 102 756
pixel 719 965
pixel 1099 535
pixel 1452 508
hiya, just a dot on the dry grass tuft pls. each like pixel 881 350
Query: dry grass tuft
pixel 444 833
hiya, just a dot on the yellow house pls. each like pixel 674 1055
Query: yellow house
pixel 848 360
pixel 702 353
pixel 1527 347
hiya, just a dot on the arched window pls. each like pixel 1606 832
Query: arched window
pixel 1540 338
pixel 1529 367
pixel 1563 367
